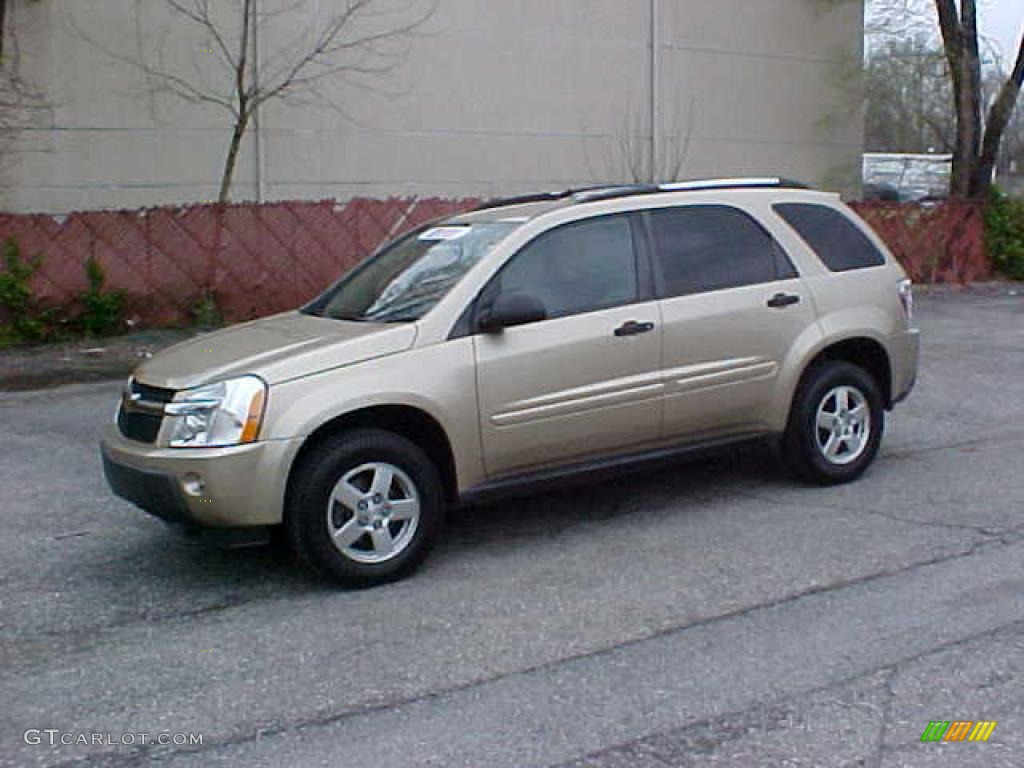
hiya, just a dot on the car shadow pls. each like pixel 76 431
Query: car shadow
pixel 673 488
pixel 169 563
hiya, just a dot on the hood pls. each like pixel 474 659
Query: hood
pixel 277 348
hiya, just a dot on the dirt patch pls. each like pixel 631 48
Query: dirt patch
pixel 51 365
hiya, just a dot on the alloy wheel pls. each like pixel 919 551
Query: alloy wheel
pixel 373 512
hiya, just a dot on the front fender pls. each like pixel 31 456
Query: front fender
pixel 439 380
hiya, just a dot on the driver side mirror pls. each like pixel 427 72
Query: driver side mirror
pixel 511 309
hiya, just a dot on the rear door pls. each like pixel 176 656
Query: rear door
pixel 732 307
pixel 585 381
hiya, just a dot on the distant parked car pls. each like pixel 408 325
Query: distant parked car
pixel 883 192
pixel 529 342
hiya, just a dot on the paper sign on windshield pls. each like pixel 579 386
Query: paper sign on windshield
pixel 445 233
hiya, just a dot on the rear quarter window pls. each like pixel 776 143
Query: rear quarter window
pixel 838 242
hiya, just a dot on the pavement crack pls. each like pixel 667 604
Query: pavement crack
pixel 322 719
pixel 887 714
pixel 735 723
pixel 983 530
pixel 906 453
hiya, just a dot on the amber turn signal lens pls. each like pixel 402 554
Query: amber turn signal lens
pixel 251 430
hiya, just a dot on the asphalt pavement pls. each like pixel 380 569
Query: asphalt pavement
pixel 714 614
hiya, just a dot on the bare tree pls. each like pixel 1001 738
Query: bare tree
pixel 629 150
pixel 360 38
pixel 908 93
pixel 978 137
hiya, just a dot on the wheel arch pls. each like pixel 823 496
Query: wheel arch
pixel 410 422
pixel 863 351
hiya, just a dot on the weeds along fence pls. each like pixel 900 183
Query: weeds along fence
pixel 254 260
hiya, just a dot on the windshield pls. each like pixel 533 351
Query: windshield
pixel 407 278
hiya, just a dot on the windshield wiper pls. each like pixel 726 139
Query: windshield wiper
pixel 404 312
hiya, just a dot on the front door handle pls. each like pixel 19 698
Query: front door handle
pixel 782 300
pixel 633 328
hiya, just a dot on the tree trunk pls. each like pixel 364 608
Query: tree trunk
pixel 232 158
pixel 995 127
pixel 3 17
pixel 243 114
pixel 960 41
pixel 949 24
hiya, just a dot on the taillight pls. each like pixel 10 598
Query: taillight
pixel 906 292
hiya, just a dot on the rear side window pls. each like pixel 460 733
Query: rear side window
pixel 839 243
pixel 711 247
pixel 576 268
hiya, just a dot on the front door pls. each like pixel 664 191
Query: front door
pixel 586 380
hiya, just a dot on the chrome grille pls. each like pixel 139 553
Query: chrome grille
pixel 142 425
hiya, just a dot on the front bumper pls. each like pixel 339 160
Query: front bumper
pixel 904 351
pixel 240 485
pixel 154 492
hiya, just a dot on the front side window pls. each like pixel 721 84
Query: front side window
pixel 407 278
pixel 576 268
pixel 712 247
pixel 839 243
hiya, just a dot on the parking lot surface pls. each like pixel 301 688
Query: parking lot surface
pixel 716 613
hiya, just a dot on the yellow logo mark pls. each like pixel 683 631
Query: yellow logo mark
pixel 982 730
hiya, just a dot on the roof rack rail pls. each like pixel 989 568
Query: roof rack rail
pixel 593 194
pixel 539 197
pixel 578 194
pixel 697 185
pixel 613 191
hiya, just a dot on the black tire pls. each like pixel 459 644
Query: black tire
pixel 801 447
pixel 306 511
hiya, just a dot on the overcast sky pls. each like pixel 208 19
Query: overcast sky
pixel 1003 20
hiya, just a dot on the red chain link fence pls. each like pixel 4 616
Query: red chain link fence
pixel 252 259
pixel 935 242
pixel 259 259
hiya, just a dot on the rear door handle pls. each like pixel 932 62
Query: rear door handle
pixel 633 328
pixel 782 300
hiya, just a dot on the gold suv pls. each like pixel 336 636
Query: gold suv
pixel 529 342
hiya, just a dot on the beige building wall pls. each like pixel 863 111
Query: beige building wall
pixel 492 97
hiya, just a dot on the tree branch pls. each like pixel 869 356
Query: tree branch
pixel 330 44
pixel 241 93
pixel 949 25
pixel 349 43
pixel 168 81
pixel 201 16
pixel 998 120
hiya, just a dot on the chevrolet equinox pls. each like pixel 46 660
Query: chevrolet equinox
pixel 531 341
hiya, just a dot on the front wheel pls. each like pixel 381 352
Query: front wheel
pixel 365 507
pixel 836 424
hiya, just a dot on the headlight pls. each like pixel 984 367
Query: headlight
pixel 225 413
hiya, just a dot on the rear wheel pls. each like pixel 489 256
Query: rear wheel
pixel 365 507
pixel 835 425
